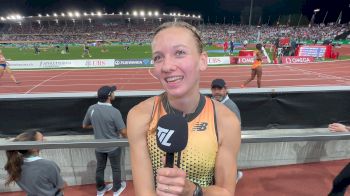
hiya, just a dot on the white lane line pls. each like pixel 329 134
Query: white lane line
pixel 150 73
pixel 36 86
pixel 318 74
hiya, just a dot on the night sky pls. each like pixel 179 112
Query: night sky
pixel 209 9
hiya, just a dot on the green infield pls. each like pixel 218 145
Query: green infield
pixel 75 52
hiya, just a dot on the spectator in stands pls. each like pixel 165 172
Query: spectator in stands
pixel 4 66
pixel 35 175
pixel 342 180
pixel 256 67
pixel 179 58
pixel 220 94
pixel 107 123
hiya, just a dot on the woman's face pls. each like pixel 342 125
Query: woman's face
pixel 177 61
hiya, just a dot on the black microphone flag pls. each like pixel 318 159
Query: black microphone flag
pixel 172 136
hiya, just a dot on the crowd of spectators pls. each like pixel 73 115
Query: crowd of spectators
pixel 141 32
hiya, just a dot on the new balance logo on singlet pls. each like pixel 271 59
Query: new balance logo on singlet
pixel 200 126
pixel 164 135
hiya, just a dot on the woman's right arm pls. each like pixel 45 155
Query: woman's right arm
pixel 137 124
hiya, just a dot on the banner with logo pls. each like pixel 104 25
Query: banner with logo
pixel 315 51
pixel 297 59
pixel 127 62
pixel 248 60
pixel 55 64
pixel 219 60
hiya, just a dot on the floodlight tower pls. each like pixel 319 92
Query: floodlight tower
pixel 312 21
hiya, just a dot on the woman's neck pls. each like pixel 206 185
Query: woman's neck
pixel 187 104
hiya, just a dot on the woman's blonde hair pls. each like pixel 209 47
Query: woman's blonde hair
pixel 185 25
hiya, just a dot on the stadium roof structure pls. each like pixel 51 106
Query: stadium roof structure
pixel 134 15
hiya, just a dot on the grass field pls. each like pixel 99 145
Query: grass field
pixel 114 52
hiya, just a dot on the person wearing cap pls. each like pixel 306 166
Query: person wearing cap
pixel 107 123
pixel 220 94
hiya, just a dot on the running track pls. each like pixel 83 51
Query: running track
pixel 336 73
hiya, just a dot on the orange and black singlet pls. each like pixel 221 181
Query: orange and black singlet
pixel 198 158
pixel 258 61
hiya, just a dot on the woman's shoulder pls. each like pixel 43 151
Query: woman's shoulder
pixel 143 106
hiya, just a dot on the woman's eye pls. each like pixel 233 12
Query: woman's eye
pixel 156 58
pixel 180 52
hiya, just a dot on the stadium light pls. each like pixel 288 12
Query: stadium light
pixel 13 17
pixel 8 17
pixel 142 13
pixel 121 13
pixel 149 13
pixel 99 13
pixel 2 18
pixel 156 13
pixel 317 10
pixel 70 14
pixel 62 14
pixel 127 13
pixel 92 14
pixel 164 14
pixel 179 14
pixel 18 17
pixel 47 15
pixel 39 15
pixel 77 14
pixel 85 14
pixel 199 16
pixel 54 14
pixel 134 13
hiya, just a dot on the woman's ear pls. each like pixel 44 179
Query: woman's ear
pixel 203 61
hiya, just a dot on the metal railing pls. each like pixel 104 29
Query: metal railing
pixel 94 143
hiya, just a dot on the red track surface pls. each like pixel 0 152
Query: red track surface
pixel 312 179
pixel 314 74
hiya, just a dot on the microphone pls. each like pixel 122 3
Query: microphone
pixel 172 136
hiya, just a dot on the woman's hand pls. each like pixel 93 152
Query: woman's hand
pixel 337 127
pixel 173 181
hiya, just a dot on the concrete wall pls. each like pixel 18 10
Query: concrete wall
pixel 78 165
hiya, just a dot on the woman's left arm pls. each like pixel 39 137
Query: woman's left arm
pixel 229 133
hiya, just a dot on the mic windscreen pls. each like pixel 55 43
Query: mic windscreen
pixel 172 133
